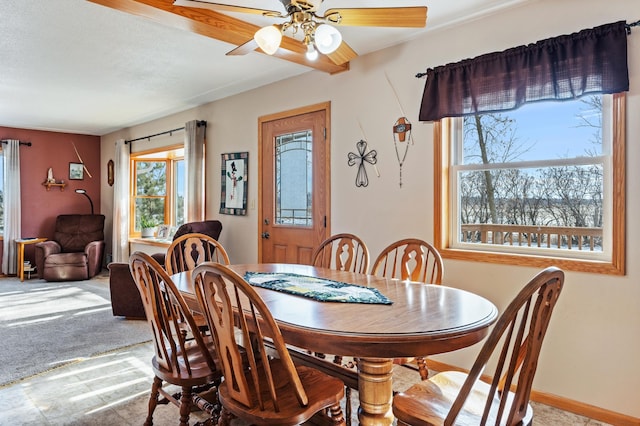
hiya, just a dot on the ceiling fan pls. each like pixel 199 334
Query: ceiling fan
pixel 316 29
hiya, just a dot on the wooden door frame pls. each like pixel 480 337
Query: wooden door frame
pixel 323 106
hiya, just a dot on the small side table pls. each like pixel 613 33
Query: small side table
pixel 20 243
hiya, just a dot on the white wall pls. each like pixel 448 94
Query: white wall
pixel 592 348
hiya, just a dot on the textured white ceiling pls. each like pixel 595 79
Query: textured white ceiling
pixel 75 66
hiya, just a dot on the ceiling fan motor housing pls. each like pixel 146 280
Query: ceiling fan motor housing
pixel 300 5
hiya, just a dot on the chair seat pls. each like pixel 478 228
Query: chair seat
pixel 65 267
pixel 321 390
pixel 424 402
pixel 66 259
pixel 195 354
pixel 200 371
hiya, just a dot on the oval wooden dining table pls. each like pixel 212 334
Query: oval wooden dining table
pixel 423 319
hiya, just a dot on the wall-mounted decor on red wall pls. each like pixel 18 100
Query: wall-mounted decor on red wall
pixel 54 150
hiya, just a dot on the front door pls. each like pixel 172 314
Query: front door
pixel 294 196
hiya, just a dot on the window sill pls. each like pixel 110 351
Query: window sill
pixel 151 242
pixel 595 267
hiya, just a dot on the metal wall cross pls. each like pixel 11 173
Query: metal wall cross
pixel 370 157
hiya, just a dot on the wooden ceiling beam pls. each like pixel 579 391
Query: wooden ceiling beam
pixel 218 26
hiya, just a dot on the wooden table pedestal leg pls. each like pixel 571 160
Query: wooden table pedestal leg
pixel 375 391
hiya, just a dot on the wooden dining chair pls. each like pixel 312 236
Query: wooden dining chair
pixel 415 260
pixel 189 250
pixel 178 361
pixel 342 252
pixel 258 388
pixel 514 345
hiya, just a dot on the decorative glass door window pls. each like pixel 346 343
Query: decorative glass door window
pixel 294 178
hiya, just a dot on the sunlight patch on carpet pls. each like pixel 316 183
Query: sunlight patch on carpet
pixel 46 325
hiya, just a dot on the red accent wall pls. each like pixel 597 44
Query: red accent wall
pixel 53 149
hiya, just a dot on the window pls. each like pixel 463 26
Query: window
pixel 157 188
pixel 178 192
pixel 294 179
pixel 1 192
pixel 534 186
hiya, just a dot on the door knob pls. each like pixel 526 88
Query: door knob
pixel 265 235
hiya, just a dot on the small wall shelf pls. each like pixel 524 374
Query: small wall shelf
pixel 48 185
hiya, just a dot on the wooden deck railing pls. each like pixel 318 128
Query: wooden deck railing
pixel 562 237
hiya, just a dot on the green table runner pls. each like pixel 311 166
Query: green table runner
pixel 320 289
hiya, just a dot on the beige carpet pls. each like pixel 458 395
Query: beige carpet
pixel 47 324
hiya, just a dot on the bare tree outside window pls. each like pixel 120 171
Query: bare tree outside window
pixel 536 173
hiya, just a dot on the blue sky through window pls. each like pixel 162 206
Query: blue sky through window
pixel 554 129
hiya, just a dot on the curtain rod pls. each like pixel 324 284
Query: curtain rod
pixel 627 26
pixel 21 143
pixel 199 123
pixel 633 24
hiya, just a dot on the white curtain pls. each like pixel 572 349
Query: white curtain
pixel 12 206
pixel 194 170
pixel 120 244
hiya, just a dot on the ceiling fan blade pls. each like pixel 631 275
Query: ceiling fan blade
pixel 218 7
pixel 244 48
pixel 409 17
pixel 217 26
pixel 343 54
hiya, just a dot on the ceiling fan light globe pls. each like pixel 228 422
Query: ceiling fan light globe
pixel 312 53
pixel 327 38
pixel 268 39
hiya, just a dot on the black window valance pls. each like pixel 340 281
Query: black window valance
pixel 565 67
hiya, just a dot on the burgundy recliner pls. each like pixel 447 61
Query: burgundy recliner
pixel 125 297
pixel 76 250
pixel 212 228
